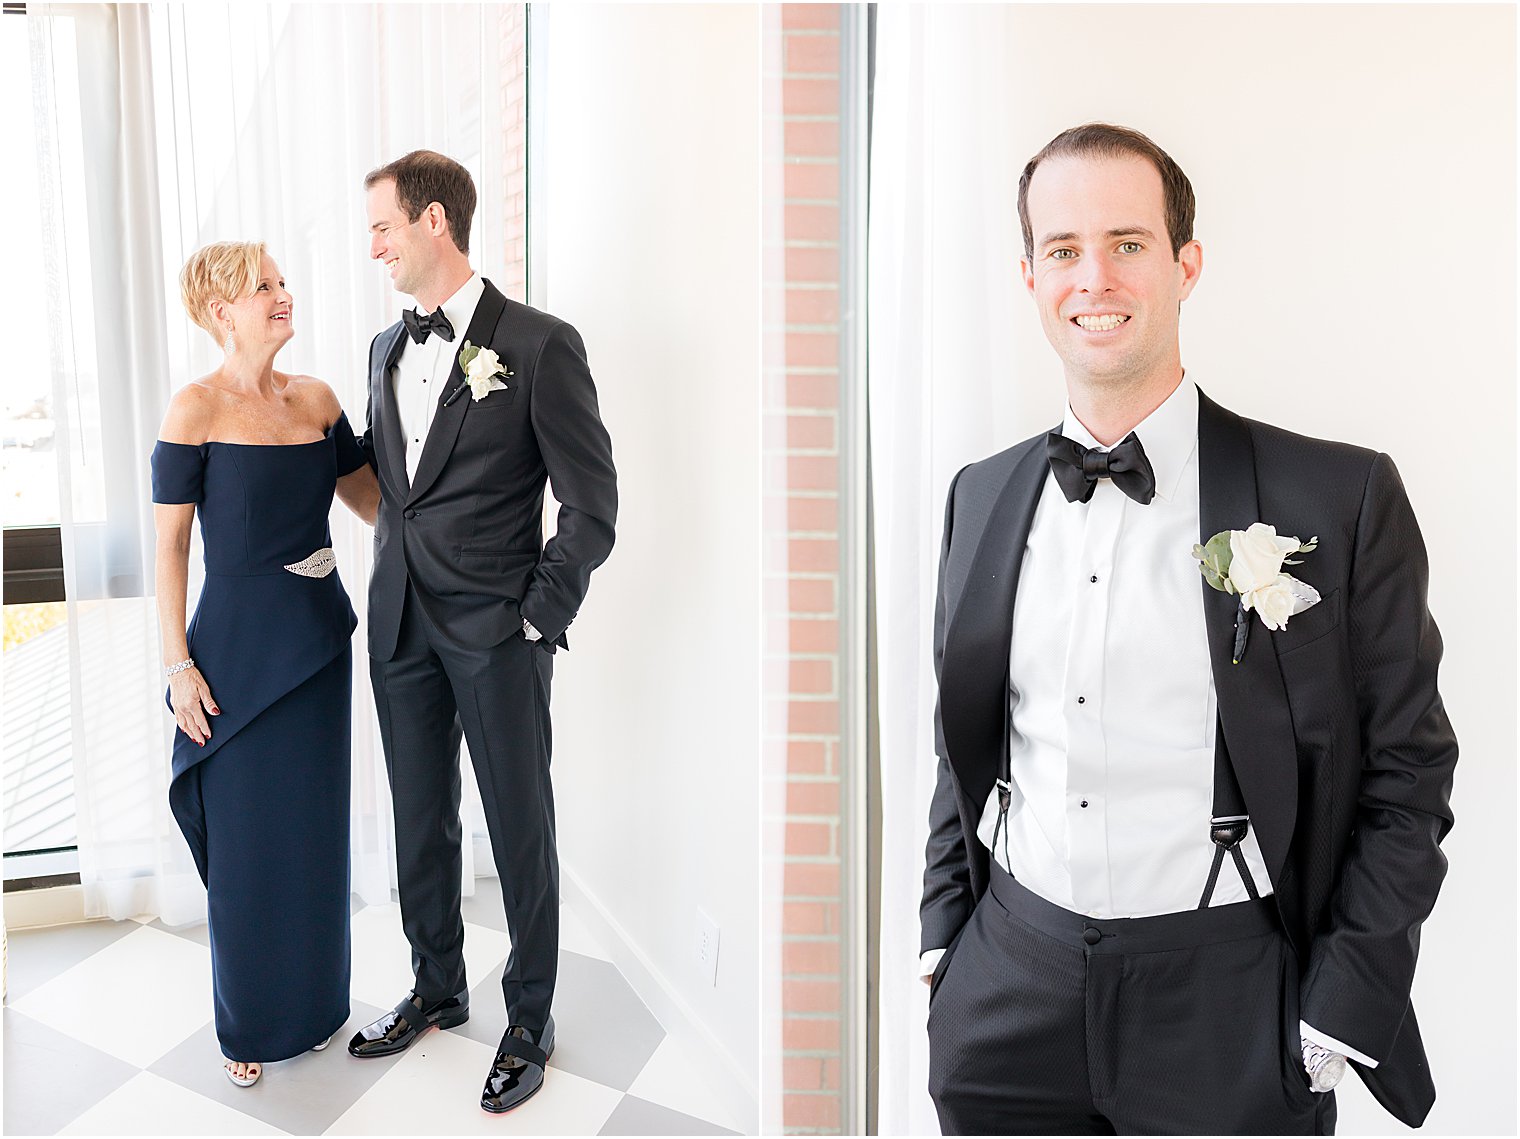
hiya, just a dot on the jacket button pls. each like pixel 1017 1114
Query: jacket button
pixel 411 514
pixel 1091 936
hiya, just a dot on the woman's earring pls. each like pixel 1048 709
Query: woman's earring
pixel 229 346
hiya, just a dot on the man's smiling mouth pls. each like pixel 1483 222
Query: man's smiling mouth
pixel 1105 323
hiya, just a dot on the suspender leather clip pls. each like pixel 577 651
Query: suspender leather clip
pixel 1228 832
pixel 1005 794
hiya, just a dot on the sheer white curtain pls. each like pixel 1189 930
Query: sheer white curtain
pixel 165 127
pixel 944 248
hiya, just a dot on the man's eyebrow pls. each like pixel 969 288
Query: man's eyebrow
pixel 1123 231
pixel 1052 238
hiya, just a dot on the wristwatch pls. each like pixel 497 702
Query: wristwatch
pixel 1325 1068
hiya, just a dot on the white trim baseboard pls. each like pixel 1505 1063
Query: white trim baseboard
pixel 737 1088
pixel 55 905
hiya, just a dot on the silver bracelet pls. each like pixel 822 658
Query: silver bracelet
pixel 180 667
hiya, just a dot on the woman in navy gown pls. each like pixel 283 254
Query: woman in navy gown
pixel 260 783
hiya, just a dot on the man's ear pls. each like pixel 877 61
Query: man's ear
pixel 1026 270
pixel 1190 258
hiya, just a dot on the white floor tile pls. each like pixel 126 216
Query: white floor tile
pixel 148 1105
pixel 154 984
pixel 576 936
pixel 678 1078
pixel 435 1090
pixel 382 959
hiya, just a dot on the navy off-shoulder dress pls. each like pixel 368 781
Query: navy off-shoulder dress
pixel 264 804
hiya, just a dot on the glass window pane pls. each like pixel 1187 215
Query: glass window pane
pixel 38 770
pixel 27 457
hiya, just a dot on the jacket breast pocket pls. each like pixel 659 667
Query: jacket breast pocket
pixel 496 401
pixel 1311 625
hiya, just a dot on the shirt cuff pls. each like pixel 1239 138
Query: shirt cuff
pixel 1309 1032
pixel 928 962
pixel 529 632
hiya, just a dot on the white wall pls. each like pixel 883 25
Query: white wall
pixel 1355 172
pixel 650 160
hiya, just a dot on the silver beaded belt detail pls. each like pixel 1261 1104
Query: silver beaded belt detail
pixel 319 564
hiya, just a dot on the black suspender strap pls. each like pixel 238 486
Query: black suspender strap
pixel 1228 827
pixel 1005 788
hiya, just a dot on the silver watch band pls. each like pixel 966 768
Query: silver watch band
pixel 1325 1068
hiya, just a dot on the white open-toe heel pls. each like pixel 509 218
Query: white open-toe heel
pixel 244 1081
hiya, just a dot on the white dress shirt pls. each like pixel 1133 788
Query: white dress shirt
pixel 1112 695
pixel 1112 698
pixel 422 370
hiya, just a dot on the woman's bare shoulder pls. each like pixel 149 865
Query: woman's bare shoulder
pixel 317 395
pixel 191 412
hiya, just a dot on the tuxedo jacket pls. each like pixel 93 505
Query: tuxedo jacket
pixel 1333 725
pixel 467 531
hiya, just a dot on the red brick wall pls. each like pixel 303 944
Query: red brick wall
pixel 811 944
pixel 513 28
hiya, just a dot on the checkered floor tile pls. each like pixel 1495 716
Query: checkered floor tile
pixel 108 1030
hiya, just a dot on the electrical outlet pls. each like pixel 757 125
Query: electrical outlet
pixel 708 935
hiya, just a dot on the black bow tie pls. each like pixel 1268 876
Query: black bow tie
pixel 1078 469
pixel 418 327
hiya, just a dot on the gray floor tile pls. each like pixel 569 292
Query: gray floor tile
pixel 304 1095
pixel 38 955
pixel 484 906
pixel 602 1030
pixel 634 1116
pixel 198 932
pixel 51 1079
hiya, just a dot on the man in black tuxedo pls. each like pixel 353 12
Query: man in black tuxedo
pixel 1182 839
pixel 474 401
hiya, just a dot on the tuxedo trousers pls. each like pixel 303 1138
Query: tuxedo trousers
pixel 1042 1021
pixel 430 693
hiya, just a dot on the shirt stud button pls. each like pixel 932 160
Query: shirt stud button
pixel 1084 802
pixel 1093 579
pixel 1081 699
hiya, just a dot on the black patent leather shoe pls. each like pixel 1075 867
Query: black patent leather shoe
pixel 395 1031
pixel 518 1070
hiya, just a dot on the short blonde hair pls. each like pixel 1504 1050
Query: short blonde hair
pixel 223 270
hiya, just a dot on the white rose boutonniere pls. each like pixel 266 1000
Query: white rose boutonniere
pixel 482 371
pixel 1249 563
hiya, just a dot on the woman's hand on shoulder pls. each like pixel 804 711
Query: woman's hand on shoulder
pixel 189 416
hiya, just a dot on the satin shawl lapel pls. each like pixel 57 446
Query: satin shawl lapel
pixel 1253 702
pixel 393 446
pixel 979 633
pixel 448 420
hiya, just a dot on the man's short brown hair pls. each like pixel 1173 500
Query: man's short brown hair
pixel 425 176
pixel 1104 140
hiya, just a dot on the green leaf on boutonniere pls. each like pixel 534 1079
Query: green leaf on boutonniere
pixel 1303 548
pixel 466 354
pixel 1214 561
